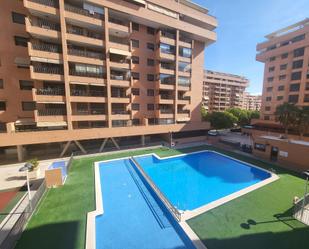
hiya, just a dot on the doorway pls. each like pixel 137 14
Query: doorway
pixel 274 154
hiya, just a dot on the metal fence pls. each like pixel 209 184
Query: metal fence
pixel 301 210
pixel 16 221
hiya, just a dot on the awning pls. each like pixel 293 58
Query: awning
pixel 22 61
pixel 50 124
pixel 120 52
pixel 139 2
pixel 24 121
pixel 39 59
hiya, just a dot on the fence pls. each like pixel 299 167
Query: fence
pixel 301 210
pixel 16 221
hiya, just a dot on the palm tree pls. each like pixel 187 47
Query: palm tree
pixel 303 121
pixel 286 114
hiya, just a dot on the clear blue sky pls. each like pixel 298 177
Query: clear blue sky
pixel 243 24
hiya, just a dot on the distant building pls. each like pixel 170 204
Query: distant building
pixel 222 91
pixel 252 102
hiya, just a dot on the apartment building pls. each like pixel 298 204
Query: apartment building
pixel 252 102
pixel 286 74
pixel 75 70
pixel 222 90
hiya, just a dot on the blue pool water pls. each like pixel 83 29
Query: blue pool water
pixel 193 180
pixel 133 218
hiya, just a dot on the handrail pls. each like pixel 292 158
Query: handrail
pixel 166 202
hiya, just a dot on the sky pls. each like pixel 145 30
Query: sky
pixel 243 24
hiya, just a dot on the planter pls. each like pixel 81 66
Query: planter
pixel 35 174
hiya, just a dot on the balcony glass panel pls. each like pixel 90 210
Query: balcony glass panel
pixel 167 49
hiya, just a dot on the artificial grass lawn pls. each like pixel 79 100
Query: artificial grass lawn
pixel 60 220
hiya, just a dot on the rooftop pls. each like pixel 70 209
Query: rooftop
pixel 209 72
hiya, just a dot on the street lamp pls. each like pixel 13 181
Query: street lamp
pixel 306 173
pixel 27 167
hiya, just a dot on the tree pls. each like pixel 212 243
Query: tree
pixel 287 114
pixel 221 120
pixel 254 115
pixel 204 113
pixel 243 116
pixel 303 121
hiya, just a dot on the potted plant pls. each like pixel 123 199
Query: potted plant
pixel 35 172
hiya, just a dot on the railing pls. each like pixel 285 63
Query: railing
pixel 185 39
pixel 168 81
pixel 166 96
pixel 83 12
pixel 120 96
pixel 50 91
pixel 86 33
pixel 51 3
pixel 90 93
pixel 167 66
pixel 184 98
pixel 117 21
pixel 161 121
pixel 41 23
pixel 85 53
pixel 46 47
pixel 183 112
pixel 89 112
pixel 166 111
pixel 120 112
pixel 119 77
pixel 168 34
pixel 301 210
pixel 48 70
pixel 184 84
pixel 118 40
pixel 161 196
pixel 87 74
pixel 52 112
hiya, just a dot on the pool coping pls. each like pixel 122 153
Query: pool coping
pixel 186 215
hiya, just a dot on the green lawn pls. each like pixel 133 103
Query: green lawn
pixel 60 220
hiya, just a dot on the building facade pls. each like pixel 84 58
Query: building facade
pixel 222 91
pixel 73 70
pixel 286 74
pixel 252 102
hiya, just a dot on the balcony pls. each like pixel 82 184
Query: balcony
pixel 48 95
pixel 46 51
pixel 183 115
pixel 43 29
pixel 85 56
pixel 52 112
pixel 89 114
pixel 119 61
pixel 84 36
pixel 50 117
pixel 184 100
pixel 166 98
pixel 117 26
pixel 185 42
pixel 168 37
pixel 120 98
pixel 119 43
pixel 90 96
pixel 46 71
pixel 47 7
pixel 120 78
pixel 120 114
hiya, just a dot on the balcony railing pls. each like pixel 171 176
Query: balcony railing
pixel 168 81
pixel 161 121
pixel 50 91
pixel 89 112
pixel 183 112
pixel 119 95
pixel 184 98
pixel 117 21
pixel 185 84
pixel 84 53
pixel 52 112
pixel 120 112
pixel 44 24
pixel 83 12
pixel 90 93
pixel 119 77
pixel 167 66
pixel 87 74
pixel 168 35
pixel 51 3
pixel 86 33
pixel 48 69
pixel 166 96
pixel 166 111
pixel 46 47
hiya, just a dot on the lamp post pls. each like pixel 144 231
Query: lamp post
pixel 27 167
pixel 306 173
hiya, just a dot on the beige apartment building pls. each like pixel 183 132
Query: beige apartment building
pixel 252 102
pixel 74 72
pixel 286 74
pixel 222 91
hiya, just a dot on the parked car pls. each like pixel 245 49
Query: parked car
pixel 213 133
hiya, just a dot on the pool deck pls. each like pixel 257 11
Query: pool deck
pixel 132 218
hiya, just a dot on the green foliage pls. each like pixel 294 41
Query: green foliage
pixel 302 121
pixel 34 162
pixel 204 113
pixel 244 116
pixel 287 115
pixel 221 120
pixel 254 115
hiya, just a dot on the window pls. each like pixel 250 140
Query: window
pixel 18 18
pixel 135 76
pixel 298 38
pixel 271 69
pixel 150 92
pixel 299 52
pixel 135 43
pixel 294 87
pixel 296 76
pixel 135 26
pixel 281 88
pixel 150 77
pixel 279 98
pixel 283 66
pixel 28 106
pixel 272 58
pixel 1 84
pixel 261 147
pixel 135 91
pixel 150 31
pixel 307 86
pixel 150 62
pixel 185 52
pixel 2 106
pixel 135 121
pixel 268 98
pixel 150 46
pixel 26 85
pixel 184 66
pixel 269 89
pixel 306 98
pixel 150 107
pixel 135 59
pixel 270 79
pixel 284 56
pixel 266 118
pixel 297 64
pixel 21 41
pixel 167 49
pixel 293 98
pixel 267 108
pixel 282 77
pixel 135 106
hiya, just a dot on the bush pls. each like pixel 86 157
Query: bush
pixel 34 162
pixel 221 120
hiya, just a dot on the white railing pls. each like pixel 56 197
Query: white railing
pixel 301 210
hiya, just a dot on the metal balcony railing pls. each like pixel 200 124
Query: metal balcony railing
pixel 48 69
pixel 183 112
pixel 185 84
pixel 84 32
pixel 119 77
pixel 119 95
pixel 87 74
pixel 46 47
pixel 96 111
pixel 184 98
pixel 85 53
pixel 166 96
pixel 90 93
pixel 44 24
pixel 51 3
pixel 161 121
pixel 82 11
pixel 120 112
pixel 166 111
pixel 167 66
pixel 168 35
pixel 118 40
pixel 50 91
pixel 117 21
pixel 52 112
pixel 168 81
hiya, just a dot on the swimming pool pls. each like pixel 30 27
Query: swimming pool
pixel 193 180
